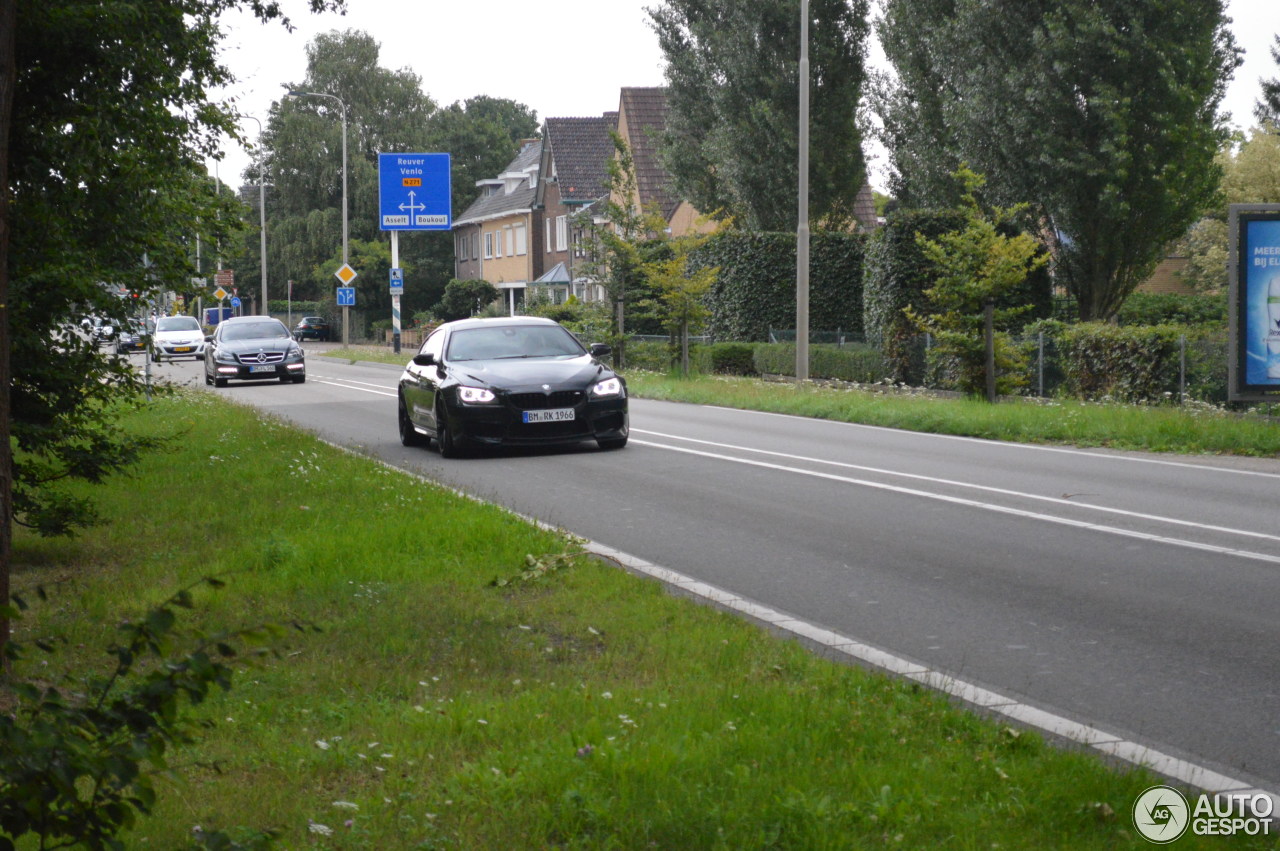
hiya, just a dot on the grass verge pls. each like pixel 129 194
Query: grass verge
pixel 1193 429
pixel 567 705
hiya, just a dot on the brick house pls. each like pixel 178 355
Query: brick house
pixel 498 239
pixel 574 169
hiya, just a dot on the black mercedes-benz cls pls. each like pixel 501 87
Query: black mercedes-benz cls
pixel 252 348
pixel 514 381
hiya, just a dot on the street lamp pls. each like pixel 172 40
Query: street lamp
pixel 262 213
pixel 294 93
pixel 802 223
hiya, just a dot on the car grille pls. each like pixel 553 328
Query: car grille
pixel 262 357
pixel 543 401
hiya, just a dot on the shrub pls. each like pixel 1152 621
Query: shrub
pixel 1173 309
pixel 1130 364
pixel 757 284
pixel 732 358
pixel 859 362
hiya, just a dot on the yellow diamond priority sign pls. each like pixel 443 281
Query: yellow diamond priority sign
pixel 346 274
pixel 219 293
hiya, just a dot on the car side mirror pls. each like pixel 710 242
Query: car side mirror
pixel 599 350
pixel 208 338
pixel 424 360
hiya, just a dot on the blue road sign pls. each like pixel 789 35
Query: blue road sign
pixel 397 281
pixel 235 302
pixel 346 296
pixel 414 192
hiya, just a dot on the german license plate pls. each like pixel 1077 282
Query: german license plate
pixel 555 415
pixel 263 367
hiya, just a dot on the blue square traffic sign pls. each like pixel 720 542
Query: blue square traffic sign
pixel 346 296
pixel 414 192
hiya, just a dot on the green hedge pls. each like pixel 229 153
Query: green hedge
pixel 858 362
pixel 1129 364
pixel 299 308
pixel 756 289
pixel 896 274
pixel 1173 309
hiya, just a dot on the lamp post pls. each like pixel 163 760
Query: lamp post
pixel 802 223
pixel 262 214
pixel 345 257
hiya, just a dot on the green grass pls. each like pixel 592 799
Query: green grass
pixel 581 708
pixel 1194 429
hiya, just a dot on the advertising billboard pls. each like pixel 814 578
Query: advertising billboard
pixel 1255 301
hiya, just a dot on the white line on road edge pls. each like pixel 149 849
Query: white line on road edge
pixel 1135 753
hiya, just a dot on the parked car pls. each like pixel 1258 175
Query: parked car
pixel 514 381
pixel 311 328
pixel 177 337
pixel 252 348
pixel 132 337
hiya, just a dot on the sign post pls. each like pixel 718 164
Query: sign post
pixel 414 193
pixel 346 299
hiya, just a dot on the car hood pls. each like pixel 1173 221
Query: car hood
pixel 184 336
pixel 518 374
pixel 270 344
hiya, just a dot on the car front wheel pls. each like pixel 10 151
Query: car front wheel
pixel 450 446
pixel 409 436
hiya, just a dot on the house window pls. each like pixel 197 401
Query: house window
pixel 475 245
pixel 548 233
pixel 562 233
pixel 488 245
pixel 522 242
pixel 497 243
pixel 511 248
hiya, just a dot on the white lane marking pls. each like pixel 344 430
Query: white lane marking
pixel 973 503
pixel 1063 450
pixel 351 385
pixel 1173 521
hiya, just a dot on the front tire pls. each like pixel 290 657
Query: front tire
pixel 300 379
pixel 408 434
pixel 449 445
pixel 612 443
pixel 219 382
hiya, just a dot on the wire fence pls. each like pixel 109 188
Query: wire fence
pixel 1195 369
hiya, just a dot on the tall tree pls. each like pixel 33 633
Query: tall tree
pixel 734 111
pixel 1267 108
pixel 108 120
pixel 386 111
pixel 1100 115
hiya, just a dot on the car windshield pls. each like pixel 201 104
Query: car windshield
pixel 513 341
pixel 255 331
pixel 178 323
pixel 311 320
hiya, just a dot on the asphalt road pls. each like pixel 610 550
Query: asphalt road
pixel 1135 593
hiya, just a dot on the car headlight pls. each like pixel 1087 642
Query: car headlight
pixel 475 396
pixel 224 356
pixel 608 387
pixel 295 351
